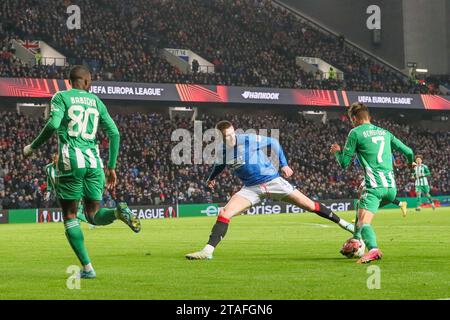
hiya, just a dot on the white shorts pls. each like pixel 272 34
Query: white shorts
pixel 275 189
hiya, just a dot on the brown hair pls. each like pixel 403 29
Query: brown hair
pixel 224 124
pixel 359 111
pixel 418 156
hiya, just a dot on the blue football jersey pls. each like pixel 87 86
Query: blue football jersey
pixel 249 160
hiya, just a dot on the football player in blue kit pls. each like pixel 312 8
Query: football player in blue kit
pixel 245 155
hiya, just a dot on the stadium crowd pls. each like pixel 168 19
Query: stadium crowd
pixel 147 175
pixel 250 43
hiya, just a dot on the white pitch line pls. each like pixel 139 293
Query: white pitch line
pixel 316 224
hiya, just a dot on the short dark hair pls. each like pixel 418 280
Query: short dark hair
pixel 78 72
pixel 418 156
pixel 224 124
pixel 358 110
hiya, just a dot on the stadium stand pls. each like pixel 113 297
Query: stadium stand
pixel 148 176
pixel 251 43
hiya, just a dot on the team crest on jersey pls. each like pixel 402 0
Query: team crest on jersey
pixel 235 166
pixel 238 161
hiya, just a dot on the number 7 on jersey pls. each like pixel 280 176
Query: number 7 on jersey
pixel 381 149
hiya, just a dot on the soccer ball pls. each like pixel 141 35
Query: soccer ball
pixel 353 248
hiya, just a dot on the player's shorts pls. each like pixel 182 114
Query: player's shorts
pixel 81 183
pixel 423 189
pixel 373 198
pixel 275 189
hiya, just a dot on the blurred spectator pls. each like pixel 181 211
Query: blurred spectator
pixel 147 175
pixel 331 74
pixel 38 57
pixel 250 43
pixel 195 65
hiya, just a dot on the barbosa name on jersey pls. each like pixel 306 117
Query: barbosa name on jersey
pixel 83 100
pixel 119 90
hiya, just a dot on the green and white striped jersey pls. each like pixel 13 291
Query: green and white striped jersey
pixel 373 147
pixel 50 171
pixel 76 115
pixel 421 173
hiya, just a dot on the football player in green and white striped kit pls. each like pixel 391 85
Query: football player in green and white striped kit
pixel 420 174
pixel 402 204
pixel 51 173
pixel 75 115
pixel 373 146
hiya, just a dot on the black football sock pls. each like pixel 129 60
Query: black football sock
pixel 218 231
pixel 396 202
pixel 326 213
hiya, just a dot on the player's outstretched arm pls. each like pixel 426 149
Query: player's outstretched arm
pixel 275 146
pixel 344 157
pixel 397 145
pixel 108 124
pixel 53 123
pixel 426 171
pixel 217 169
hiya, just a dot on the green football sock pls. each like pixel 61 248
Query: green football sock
pixel 419 200
pixel 80 213
pixel 104 216
pixel 76 240
pixel 82 217
pixel 369 237
pixel 430 199
pixel 357 233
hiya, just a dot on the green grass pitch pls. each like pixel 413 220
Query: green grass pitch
pixel 262 257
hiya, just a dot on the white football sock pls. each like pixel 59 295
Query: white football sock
pixel 209 249
pixel 88 267
pixel 343 223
